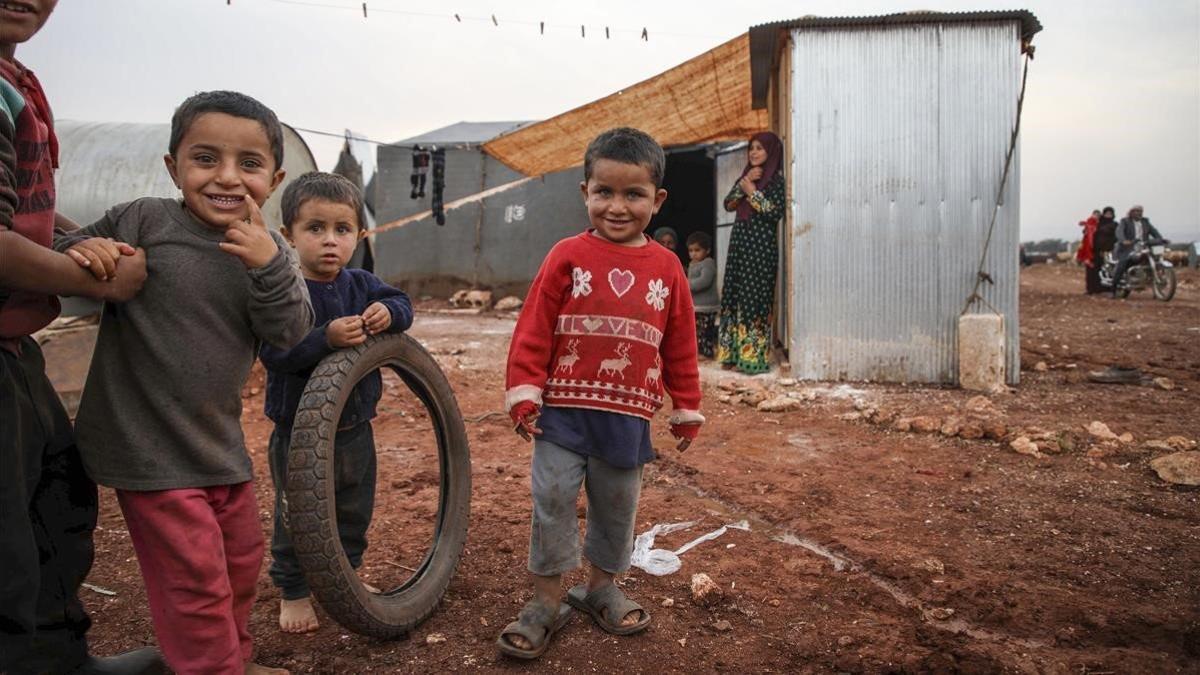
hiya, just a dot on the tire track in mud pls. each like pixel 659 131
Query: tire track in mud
pixel 930 616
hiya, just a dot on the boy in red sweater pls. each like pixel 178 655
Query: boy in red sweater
pixel 607 327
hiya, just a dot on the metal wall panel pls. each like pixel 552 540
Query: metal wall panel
pixel 107 163
pixel 729 164
pixel 899 135
pixel 497 243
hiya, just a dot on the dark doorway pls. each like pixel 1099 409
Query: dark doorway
pixel 691 196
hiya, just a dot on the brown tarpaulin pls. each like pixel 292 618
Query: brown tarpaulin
pixel 703 100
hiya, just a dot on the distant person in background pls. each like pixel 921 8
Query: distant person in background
pixel 1133 228
pixel 748 295
pixel 1105 238
pixel 1085 255
pixel 669 239
pixel 702 278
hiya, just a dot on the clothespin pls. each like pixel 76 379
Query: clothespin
pixel 458 18
pixel 541 27
pixel 364 10
pixel 582 31
pixel 494 21
pixel 606 36
pixel 645 35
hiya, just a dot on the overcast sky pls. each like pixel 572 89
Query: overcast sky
pixel 1112 114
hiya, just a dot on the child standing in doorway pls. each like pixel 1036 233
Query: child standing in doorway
pixel 607 328
pixel 323 220
pixel 702 278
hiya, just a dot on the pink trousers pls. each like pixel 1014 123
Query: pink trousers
pixel 200 551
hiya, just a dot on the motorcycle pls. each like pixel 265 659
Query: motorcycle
pixel 1146 269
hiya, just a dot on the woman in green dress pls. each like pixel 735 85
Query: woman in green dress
pixel 748 294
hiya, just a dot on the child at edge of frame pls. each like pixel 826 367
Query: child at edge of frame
pixel 323 220
pixel 607 327
pixel 160 416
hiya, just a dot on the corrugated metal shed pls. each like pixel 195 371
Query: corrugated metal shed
pixel 765 38
pixel 107 163
pixel 899 134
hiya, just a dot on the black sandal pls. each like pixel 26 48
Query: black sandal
pixel 607 605
pixel 537 623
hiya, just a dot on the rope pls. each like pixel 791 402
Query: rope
pixel 980 275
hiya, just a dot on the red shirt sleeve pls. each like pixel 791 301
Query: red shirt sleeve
pixel 532 344
pixel 681 373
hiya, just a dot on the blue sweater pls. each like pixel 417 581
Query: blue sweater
pixel 288 370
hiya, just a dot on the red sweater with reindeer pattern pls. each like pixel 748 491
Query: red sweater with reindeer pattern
pixel 607 327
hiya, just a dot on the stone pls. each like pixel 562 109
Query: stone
pixel 902 424
pixel 728 385
pixel 1101 431
pixel 509 303
pixel 1024 446
pixel 1158 445
pixel 755 397
pixel 925 424
pixel 1164 383
pixel 459 299
pixel 668 602
pixel 723 626
pixel 980 405
pixel 705 591
pixel 971 431
pixel 1126 438
pixel 932 565
pixel 1181 443
pixel 479 299
pixel 850 416
pixel 950 427
pixel 778 404
pixel 774 602
pixel 994 430
pixel 434 638
pixel 1180 468
pixel 787 382
pixel 1041 366
pixel 941 613
pixel 981 352
pixel 845 641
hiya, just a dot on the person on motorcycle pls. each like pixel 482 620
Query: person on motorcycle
pixel 1133 228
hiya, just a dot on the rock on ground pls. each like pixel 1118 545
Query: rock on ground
pixel 779 404
pixel 1181 468
pixel 1026 447
pixel 705 591
pixel 509 303
pixel 1101 431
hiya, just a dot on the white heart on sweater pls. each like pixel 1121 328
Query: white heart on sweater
pixel 620 281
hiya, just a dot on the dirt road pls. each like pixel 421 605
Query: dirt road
pixel 869 549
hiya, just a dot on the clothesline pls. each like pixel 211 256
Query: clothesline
pixel 367 9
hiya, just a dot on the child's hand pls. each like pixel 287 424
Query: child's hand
pixel 377 318
pixel 249 240
pixel 129 282
pixel 347 331
pixel 524 415
pixel 100 256
pixel 685 434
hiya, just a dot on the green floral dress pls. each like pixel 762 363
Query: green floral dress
pixel 748 294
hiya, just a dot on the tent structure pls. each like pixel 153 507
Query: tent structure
pixel 703 100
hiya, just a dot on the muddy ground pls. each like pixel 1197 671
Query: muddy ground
pixel 869 549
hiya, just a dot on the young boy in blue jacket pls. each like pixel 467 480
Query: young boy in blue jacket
pixel 324 221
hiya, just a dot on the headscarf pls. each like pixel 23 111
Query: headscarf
pixel 664 230
pixel 770 167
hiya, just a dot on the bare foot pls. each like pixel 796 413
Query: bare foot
pixel 296 616
pixel 259 669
